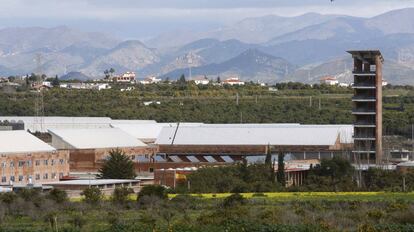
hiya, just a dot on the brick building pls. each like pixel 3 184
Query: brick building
pixel 88 148
pixel 25 159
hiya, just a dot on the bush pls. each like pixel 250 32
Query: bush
pixel 57 195
pixel 120 195
pixel 8 197
pixel 93 195
pixel 234 200
pixel 153 191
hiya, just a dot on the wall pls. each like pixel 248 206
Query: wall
pixel 91 160
pixel 42 167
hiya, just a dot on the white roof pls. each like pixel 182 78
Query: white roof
pixel 116 121
pixel 345 130
pixel 251 135
pixel 20 141
pixel 147 130
pixel 92 182
pixel 33 124
pixel 97 138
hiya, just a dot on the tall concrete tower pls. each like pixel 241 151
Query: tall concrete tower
pixel 367 105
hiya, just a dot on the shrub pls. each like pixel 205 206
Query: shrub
pixel 93 195
pixel 121 194
pixel 57 195
pixel 153 191
pixel 234 200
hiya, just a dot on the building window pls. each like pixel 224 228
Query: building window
pixel 53 175
pixel 4 164
pixel 21 163
pixel 3 179
pixel 45 162
pixel 151 169
pixel 37 177
pixel 37 162
pixel 52 162
pixel 11 178
pixel 20 178
pixel 62 161
pixel 11 164
pixel 29 163
pixel 61 175
pixel 45 176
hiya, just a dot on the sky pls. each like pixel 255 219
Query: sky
pixel 146 18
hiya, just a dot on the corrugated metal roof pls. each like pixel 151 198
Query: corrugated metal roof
pixel 22 142
pixel 97 138
pixel 245 135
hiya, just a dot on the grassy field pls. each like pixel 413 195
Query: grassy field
pixel 309 196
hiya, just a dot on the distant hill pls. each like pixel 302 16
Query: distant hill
pixel 249 65
pixel 249 30
pixel 269 48
pixel 126 56
pixel 75 76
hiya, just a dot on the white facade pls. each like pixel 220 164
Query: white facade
pixel 233 81
pixel 150 80
pixel 329 81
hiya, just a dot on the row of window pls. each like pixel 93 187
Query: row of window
pixel 28 163
pixel 21 178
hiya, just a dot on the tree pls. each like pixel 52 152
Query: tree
pixel 56 82
pixel 112 71
pixel 182 80
pixel 107 75
pixel 154 191
pixel 57 195
pixel 281 169
pixel 120 195
pixel 118 166
pixel 218 79
pixel 93 195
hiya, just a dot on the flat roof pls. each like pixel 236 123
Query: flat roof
pixel 147 130
pixel 20 141
pixel 97 138
pixel 33 124
pixel 92 182
pixel 288 135
pixel 366 53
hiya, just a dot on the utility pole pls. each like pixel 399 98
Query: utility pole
pixel 310 101
pixel 237 98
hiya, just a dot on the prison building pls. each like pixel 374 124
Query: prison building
pixel 25 159
pixel 367 109
pixel 233 143
pixel 89 148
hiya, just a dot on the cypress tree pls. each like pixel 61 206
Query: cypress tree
pixel 118 166
pixel 281 169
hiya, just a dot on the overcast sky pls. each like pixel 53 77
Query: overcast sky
pixel 145 18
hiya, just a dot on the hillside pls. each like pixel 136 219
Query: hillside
pixel 249 65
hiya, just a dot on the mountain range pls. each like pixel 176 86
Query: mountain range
pixel 269 49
